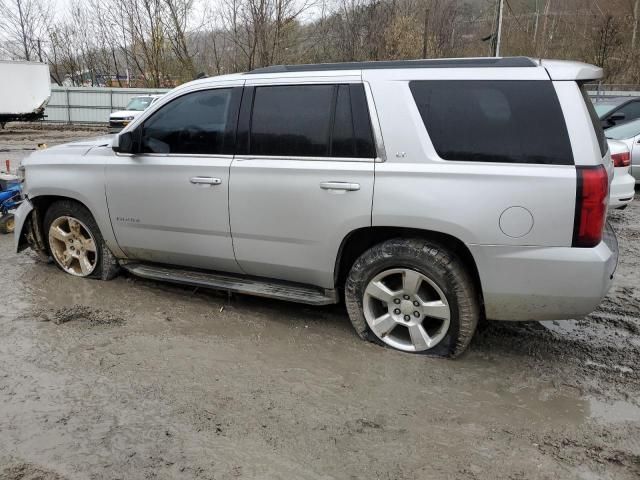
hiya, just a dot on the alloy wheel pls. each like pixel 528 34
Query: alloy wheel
pixel 73 246
pixel 406 310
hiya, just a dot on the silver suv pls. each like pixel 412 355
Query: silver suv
pixel 427 194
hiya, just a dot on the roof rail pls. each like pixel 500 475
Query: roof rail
pixel 391 64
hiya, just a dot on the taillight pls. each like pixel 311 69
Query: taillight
pixel 592 195
pixel 621 159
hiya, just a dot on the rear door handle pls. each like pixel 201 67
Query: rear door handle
pixel 205 181
pixel 348 186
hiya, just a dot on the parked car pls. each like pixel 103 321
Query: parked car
pixel 614 111
pixel 623 184
pixel 429 193
pixel 120 119
pixel 629 134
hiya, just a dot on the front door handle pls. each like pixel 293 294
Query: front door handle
pixel 205 181
pixel 348 186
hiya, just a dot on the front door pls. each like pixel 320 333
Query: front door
pixel 303 181
pixel 169 203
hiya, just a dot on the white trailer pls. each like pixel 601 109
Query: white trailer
pixel 25 89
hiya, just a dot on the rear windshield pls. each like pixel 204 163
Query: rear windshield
pixel 494 121
pixel 595 120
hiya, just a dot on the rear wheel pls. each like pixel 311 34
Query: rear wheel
pixel 7 223
pixel 75 242
pixel 413 295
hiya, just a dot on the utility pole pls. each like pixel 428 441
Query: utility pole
pixel 535 26
pixel 499 34
pixel 425 33
pixel 635 26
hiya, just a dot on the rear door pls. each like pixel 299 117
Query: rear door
pixel 302 178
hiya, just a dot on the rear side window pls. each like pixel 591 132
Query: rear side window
pixel 494 121
pixel 310 121
pixel 595 120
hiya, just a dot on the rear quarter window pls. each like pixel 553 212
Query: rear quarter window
pixel 494 121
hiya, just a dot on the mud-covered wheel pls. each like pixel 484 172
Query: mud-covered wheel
pixel 7 223
pixel 413 295
pixel 75 242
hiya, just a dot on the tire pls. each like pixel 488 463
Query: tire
pixel 7 223
pixel 69 215
pixel 624 207
pixel 441 282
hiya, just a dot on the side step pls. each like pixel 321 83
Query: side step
pixel 291 292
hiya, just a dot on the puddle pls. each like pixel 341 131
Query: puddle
pixel 615 412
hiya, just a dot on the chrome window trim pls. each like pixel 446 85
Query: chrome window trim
pixel 308 159
pixel 375 124
pixel 172 155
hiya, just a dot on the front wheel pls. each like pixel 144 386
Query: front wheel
pixel 413 295
pixel 75 242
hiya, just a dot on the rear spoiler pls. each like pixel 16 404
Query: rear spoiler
pixel 569 70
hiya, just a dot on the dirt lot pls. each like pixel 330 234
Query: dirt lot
pixel 131 379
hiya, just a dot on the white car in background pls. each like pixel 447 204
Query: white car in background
pixel 623 185
pixel 629 134
pixel 120 119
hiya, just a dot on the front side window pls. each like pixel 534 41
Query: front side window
pixel 311 121
pixel 195 123
pixel 631 111
pixel 494 121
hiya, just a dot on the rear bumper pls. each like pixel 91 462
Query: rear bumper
pixel 622 190
pixel 545 283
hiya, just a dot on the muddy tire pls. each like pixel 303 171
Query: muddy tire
pixel 75 242
pixel 416 295
pixel 7 223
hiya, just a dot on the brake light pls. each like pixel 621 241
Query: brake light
pixel 592 194
pixel 621 159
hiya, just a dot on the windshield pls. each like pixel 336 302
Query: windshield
pixel 139 103
pixel 603 108
pixel 624 131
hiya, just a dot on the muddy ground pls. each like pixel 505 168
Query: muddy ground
pixel 132 379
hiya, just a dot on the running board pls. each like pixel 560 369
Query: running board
pixel 291 292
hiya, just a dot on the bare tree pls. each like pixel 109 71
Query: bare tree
pixel 24 24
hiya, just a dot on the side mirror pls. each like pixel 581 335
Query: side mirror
pixel 125 143
pixel 617 117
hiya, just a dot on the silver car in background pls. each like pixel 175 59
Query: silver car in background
pixel 427 194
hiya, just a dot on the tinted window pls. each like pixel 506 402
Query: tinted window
pixel 361 122
pixel 291 120
pixel 192 124
pixel 343 142
pixel 631 111
pixel 595 121
pixel 494 121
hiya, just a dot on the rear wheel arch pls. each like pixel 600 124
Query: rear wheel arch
pixel 360 240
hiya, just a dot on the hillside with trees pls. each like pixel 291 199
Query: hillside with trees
pixel 160 43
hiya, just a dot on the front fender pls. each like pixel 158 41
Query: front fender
pixel 28 231
pixel 21 215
